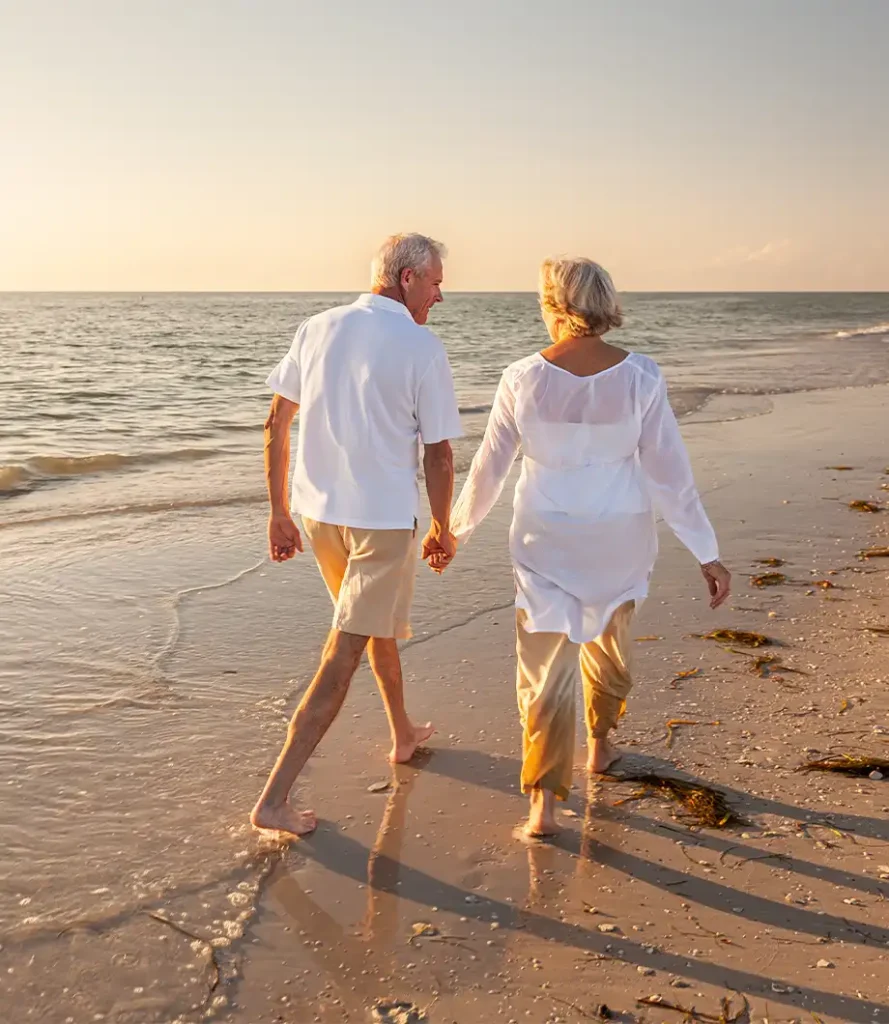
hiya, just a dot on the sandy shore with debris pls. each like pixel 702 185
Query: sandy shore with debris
pixel 155 706
pixel 786 911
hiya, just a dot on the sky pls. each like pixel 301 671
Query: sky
pixel 252 145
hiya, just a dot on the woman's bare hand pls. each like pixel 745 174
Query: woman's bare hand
pixel 719 582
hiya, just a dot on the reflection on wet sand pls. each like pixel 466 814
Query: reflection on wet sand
pixel 549 916
pixel 380 925
pixel 355 962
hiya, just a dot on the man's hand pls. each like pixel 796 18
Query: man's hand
pixel 439 548
pixel 284 538
pixel 719 582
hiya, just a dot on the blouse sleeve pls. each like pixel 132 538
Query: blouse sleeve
pixel 666 465
pixel 490 467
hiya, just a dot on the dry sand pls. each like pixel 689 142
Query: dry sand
pixel 631 901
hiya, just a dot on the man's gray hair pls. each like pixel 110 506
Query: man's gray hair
pixel 403 252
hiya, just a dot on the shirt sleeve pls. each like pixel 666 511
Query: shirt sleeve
pixel 437 411
pixel 285 379
pixel 667 467
pixel 491 465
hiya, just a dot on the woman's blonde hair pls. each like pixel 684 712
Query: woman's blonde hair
pixel 580 297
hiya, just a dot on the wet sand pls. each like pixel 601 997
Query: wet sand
pixel 630 902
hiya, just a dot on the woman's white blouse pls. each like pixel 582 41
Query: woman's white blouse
pixel 601 453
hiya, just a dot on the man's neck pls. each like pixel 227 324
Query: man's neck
pixel 389 293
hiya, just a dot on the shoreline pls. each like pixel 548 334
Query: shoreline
pixel 199 724
pixel 704 405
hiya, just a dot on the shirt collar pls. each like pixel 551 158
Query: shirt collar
pixel 381 302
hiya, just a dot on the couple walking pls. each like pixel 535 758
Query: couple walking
pixel 601 450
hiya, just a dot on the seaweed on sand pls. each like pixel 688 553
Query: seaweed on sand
pixel 768 579
pixel 772 562
pixel 707 806
pixel 874 553
pixel 859 505
pixel 765 664
pixel 847 764
pixel 736 636
pixel 674 722
pixel 689 673
pixel 726 1014
pixel 216 973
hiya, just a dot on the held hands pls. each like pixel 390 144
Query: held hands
pixel 719 582
pixel 284 538
pixel 439 548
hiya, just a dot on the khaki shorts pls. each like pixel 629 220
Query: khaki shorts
pixel 370 575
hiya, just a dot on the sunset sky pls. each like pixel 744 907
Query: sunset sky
pixel 271 144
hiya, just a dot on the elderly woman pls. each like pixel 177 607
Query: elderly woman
pixel 601 451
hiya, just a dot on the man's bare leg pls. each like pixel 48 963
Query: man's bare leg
pixel 311 720
pixel 386 664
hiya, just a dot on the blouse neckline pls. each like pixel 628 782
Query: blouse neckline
pixel 588 376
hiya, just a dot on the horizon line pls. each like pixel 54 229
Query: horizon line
pixel 456 291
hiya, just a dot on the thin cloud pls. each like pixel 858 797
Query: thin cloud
pixel 772 252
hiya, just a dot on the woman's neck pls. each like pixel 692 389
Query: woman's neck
pixel 584 356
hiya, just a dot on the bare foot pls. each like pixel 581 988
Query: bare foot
pixel 404 749
pixel 283 819
pixel 542 819
pixel 603 754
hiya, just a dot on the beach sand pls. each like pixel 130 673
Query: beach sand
pixel 630 901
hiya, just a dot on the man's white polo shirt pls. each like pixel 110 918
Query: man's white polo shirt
pixel 371 385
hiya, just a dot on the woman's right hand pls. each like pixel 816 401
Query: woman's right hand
pixel 719 582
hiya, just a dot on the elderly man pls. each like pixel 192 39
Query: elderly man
pixel 370 382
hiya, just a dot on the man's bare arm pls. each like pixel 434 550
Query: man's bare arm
pixel 284 538
pixel 438 465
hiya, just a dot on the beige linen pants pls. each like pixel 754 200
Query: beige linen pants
pixel 546 684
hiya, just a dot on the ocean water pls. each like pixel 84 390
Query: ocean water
pixel 149 652
pixel 129 401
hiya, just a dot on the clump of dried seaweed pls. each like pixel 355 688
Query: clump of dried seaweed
pixel 705 805
pixel 847 764
pixel 874 553
pixel 860 505
pixel 736 636
pixel 773 562
pixel 768 579
pixel 841 469
pixel 726 1014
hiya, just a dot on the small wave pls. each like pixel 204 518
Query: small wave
pixel 22 476
pixel 864 332
pixel 469 410
pixel 138 508
pixel 13 478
